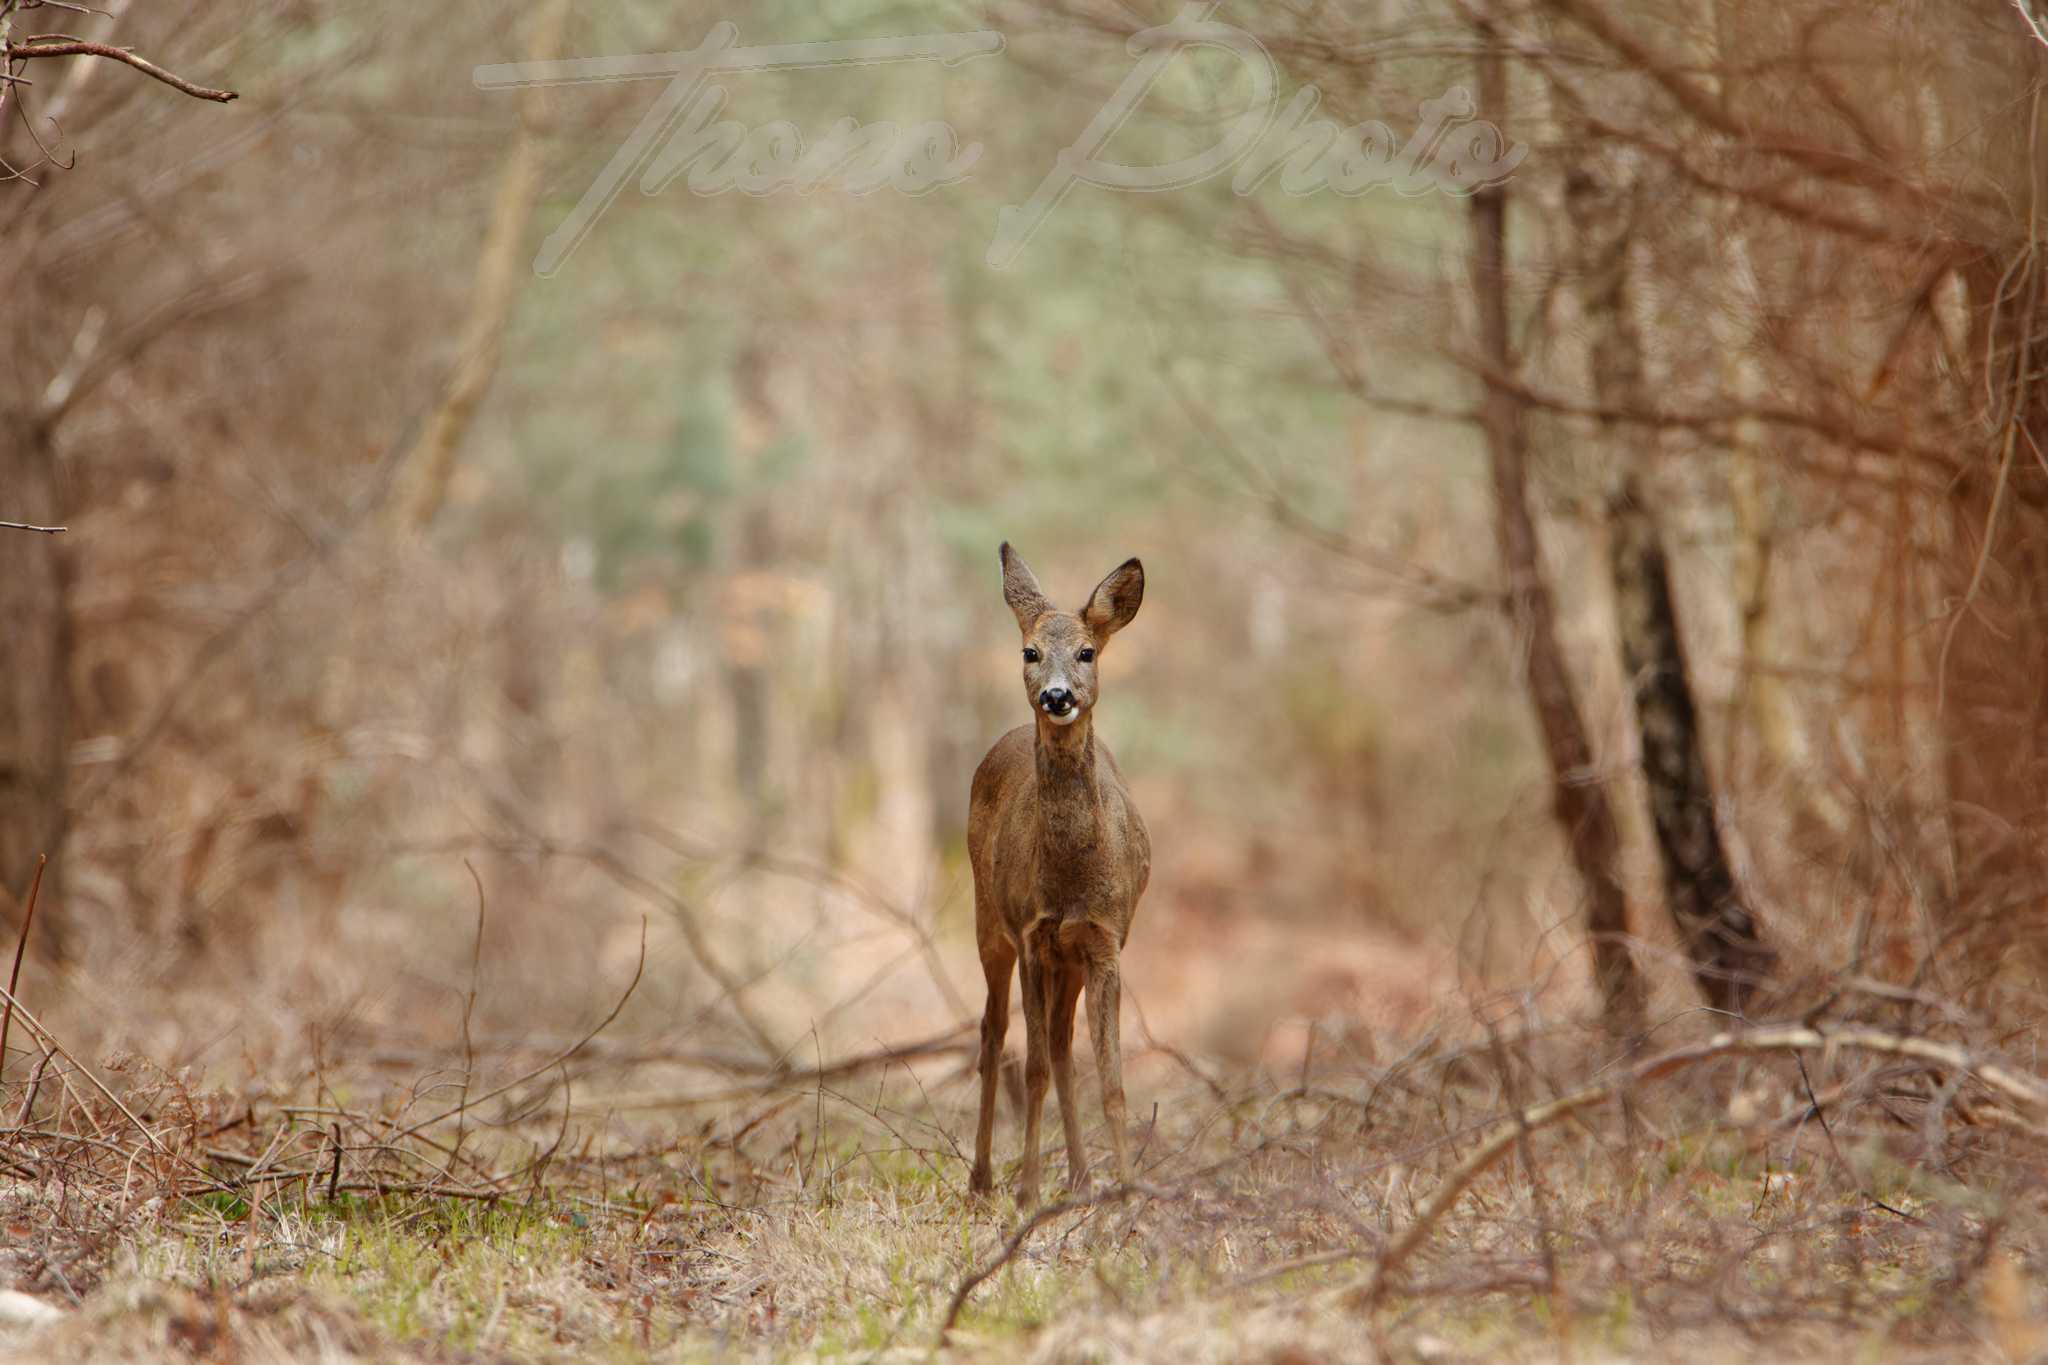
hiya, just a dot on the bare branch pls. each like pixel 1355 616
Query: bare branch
pixel 1705 106
pixel 28 917
pixel 1834 427
pixel 79 48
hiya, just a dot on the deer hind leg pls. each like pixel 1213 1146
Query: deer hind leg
pixel 1036 1063
pixel 995 1022
pixel 1064 993
pixel 1105 993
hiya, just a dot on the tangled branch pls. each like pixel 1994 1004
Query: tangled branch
pixel 2027 1091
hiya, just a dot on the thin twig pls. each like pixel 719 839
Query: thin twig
pixel 26 526
pixel 28 917
pixel 639 968
pixel 476 957
pixel 35 1087
pixel 28 1017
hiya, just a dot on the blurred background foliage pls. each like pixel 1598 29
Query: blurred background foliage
pixel 708 626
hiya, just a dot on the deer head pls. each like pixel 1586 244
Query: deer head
pixel 1060 647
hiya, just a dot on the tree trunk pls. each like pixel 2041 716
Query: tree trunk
pixel 1578 800
pixel 429 466
pixel 1728 956
pixel 1719 934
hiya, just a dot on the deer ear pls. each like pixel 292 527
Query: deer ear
pixel 1021 590
pixel 1115 600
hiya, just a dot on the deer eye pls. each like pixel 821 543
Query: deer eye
pixel 1086 656
pixel 1030 655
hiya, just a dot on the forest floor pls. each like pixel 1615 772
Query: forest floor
pixel 1795 1202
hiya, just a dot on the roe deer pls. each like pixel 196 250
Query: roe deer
pixel 1060 858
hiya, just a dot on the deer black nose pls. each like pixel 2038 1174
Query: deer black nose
pixel 1057 700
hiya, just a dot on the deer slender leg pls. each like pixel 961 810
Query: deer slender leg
pixel 1105 993
pixel 1065 990
pixel 995 1022
pixel 1036 1070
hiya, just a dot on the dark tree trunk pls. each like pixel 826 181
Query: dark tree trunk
pixel 1728 956
pixel 1578 799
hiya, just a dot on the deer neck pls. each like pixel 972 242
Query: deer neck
pixel 1069 802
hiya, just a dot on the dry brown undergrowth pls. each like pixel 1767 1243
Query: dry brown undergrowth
pixel 1861 1184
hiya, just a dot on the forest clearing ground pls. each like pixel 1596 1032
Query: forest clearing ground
pixel 831 1221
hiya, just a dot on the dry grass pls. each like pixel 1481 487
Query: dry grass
pixel 1808 1201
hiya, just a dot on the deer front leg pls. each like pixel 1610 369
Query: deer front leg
pixel 1036 1069
pixel 995 1022
pixel 1104 996
pixel 1064 989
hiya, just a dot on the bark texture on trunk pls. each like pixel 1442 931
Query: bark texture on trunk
pixel 1729 956
pixel 1720 935
pixel 1578 799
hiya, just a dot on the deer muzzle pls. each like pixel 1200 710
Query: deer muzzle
pixel 1058 704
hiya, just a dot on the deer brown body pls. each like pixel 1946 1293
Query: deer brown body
pixel 1060 859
